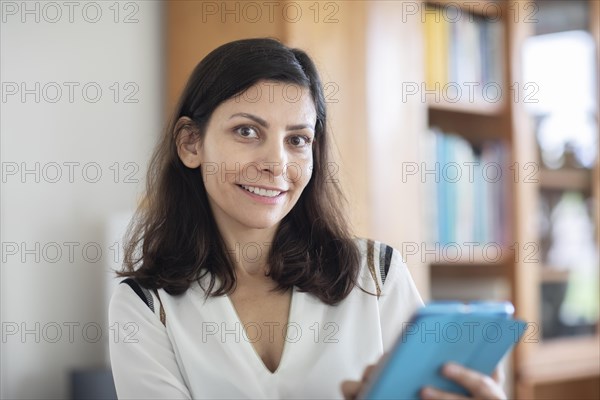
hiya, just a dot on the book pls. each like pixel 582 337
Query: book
pixel 460 51
pixel 465 187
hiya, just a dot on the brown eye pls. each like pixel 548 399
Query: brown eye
pixel 299 141
pixel 247 132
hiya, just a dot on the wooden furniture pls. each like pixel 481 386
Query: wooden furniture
pixel 552 369
pixel 566 367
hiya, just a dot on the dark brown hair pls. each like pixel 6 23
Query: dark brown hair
pixel 173 239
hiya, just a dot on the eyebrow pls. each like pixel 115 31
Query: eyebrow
pixel 265 124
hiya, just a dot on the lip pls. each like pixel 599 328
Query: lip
pixel 261 199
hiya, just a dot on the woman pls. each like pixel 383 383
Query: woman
pixel 243 280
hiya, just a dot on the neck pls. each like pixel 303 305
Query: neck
pixel 250 250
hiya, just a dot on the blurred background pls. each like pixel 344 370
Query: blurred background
pixel 466 136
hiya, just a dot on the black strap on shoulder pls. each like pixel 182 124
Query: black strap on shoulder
pixel 142 293
pixel 163 316
pixel 385 260
pixel 371 265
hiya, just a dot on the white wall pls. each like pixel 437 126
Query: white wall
pixel 58 291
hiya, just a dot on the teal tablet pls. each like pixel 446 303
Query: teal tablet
pixel 475 335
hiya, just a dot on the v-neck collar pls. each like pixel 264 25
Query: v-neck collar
pixel 248 348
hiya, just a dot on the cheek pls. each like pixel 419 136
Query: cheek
pixel 222 164
pixel 299 173
pixel 308 173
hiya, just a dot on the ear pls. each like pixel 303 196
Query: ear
pixel 188 143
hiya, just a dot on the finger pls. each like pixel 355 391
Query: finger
pixel 429 393
pixel 479 385
pixel 368 372
pixel 350 389
pixel 499 376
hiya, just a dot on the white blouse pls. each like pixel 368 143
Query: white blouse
pixel 205 352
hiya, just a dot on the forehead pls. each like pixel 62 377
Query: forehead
pixel 275 101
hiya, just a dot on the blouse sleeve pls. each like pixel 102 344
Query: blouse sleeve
pixel 399 297
pixel 142 357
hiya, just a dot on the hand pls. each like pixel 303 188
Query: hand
pixel 480 386
pixel 351 389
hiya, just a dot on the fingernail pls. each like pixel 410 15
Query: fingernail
pixel 452 369
pixel 428 393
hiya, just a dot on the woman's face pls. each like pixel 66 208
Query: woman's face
pixel 256 155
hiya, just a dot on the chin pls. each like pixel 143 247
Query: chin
pixel 265 223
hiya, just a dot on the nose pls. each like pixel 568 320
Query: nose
pixel 275 157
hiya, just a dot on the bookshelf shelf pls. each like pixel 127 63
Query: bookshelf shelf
pixel 563 360
pixel 477 107
pixel 566 179
pixel 469 270
pixel 553 275
pixel 473 256
pixel 484 8
pixel 476 127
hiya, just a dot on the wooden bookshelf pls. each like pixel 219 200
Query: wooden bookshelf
pixel 541 369
pixel 507 122
pixel 566 366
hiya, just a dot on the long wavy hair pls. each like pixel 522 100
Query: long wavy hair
pixel 173 240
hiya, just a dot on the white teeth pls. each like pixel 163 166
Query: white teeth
pixel 262 192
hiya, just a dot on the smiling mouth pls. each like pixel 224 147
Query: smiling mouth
pixel 260 191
